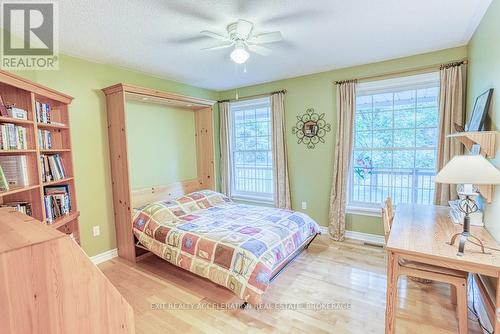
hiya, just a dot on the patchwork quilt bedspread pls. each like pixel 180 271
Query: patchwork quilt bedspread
pixel 234 245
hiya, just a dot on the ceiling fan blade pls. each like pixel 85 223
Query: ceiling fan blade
pixel 187 40
pixel 260 50
pixel 220 46
pixel 214 35
pixel 244 28
pixel 267 37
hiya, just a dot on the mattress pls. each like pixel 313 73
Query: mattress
pixel 234 245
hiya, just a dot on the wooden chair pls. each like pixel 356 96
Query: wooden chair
pixel 390 208
pixel 456 278
pixel 387 217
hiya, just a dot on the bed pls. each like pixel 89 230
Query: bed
pixel 240 247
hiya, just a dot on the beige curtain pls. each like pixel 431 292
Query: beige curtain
pixel 225 159
pixel 280 160
pixel 451 112
pixel 346 104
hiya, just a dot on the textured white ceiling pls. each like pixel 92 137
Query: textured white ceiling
pixel 162 37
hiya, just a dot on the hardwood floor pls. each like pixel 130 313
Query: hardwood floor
pixel 328 272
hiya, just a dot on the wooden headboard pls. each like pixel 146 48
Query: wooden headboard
pixel 167 192
pixel 124 199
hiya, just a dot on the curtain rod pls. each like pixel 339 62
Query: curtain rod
pixel 436 67
pixel 255 96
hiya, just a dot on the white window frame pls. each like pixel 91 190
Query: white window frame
pixel 252 197
pixel 418 81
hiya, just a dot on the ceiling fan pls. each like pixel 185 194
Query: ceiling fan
pixel 241 35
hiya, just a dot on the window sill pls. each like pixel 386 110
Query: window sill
pixel 364 211
pixel 253 200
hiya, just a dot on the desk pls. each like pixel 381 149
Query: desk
pixel 420 233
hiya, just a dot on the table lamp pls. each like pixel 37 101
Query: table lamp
pixel 468 170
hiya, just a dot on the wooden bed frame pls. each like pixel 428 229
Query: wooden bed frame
pixel 124 198
pixel 288 260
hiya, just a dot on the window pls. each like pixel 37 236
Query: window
pixel 251 150
pixel 395 141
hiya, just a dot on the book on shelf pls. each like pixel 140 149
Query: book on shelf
pixel 44 139
pixel 57 202
pixel 13 137
pixel 57 123
pixel 52 167
pixel 3 108
pixel 15 170
pixel 4 185
pixel 42 112
pixel 23 207
pixel 17 113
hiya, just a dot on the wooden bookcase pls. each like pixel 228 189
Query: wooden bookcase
pixel 24 94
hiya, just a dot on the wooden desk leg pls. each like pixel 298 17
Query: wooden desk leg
pixel 497 308
pixel 392 292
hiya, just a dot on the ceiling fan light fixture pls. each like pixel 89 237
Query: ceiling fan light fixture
pixel 241 36
pixel 239 55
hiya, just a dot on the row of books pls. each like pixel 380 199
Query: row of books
pixel 52 167
pixel 42 112
pixel 13 172
pixel 44 139
pixel 13 137
pixel 57 202
pixel 23 207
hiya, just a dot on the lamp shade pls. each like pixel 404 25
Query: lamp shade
pixel 468 169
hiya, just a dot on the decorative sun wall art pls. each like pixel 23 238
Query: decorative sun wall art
pixel 311 128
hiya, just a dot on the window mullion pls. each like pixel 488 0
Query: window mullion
pixel 415 177
pixel 401 180
pixel 250 176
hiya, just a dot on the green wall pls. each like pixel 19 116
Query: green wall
pixel 311 170
pixel 484 73
pixel 84 80
pixel 150 129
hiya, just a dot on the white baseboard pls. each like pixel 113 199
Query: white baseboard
pixel 366 237
pixel 103 257
pixel 360 236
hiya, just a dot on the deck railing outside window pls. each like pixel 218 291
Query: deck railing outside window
pixel 403 186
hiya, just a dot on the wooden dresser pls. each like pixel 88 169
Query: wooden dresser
pixel 49 285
